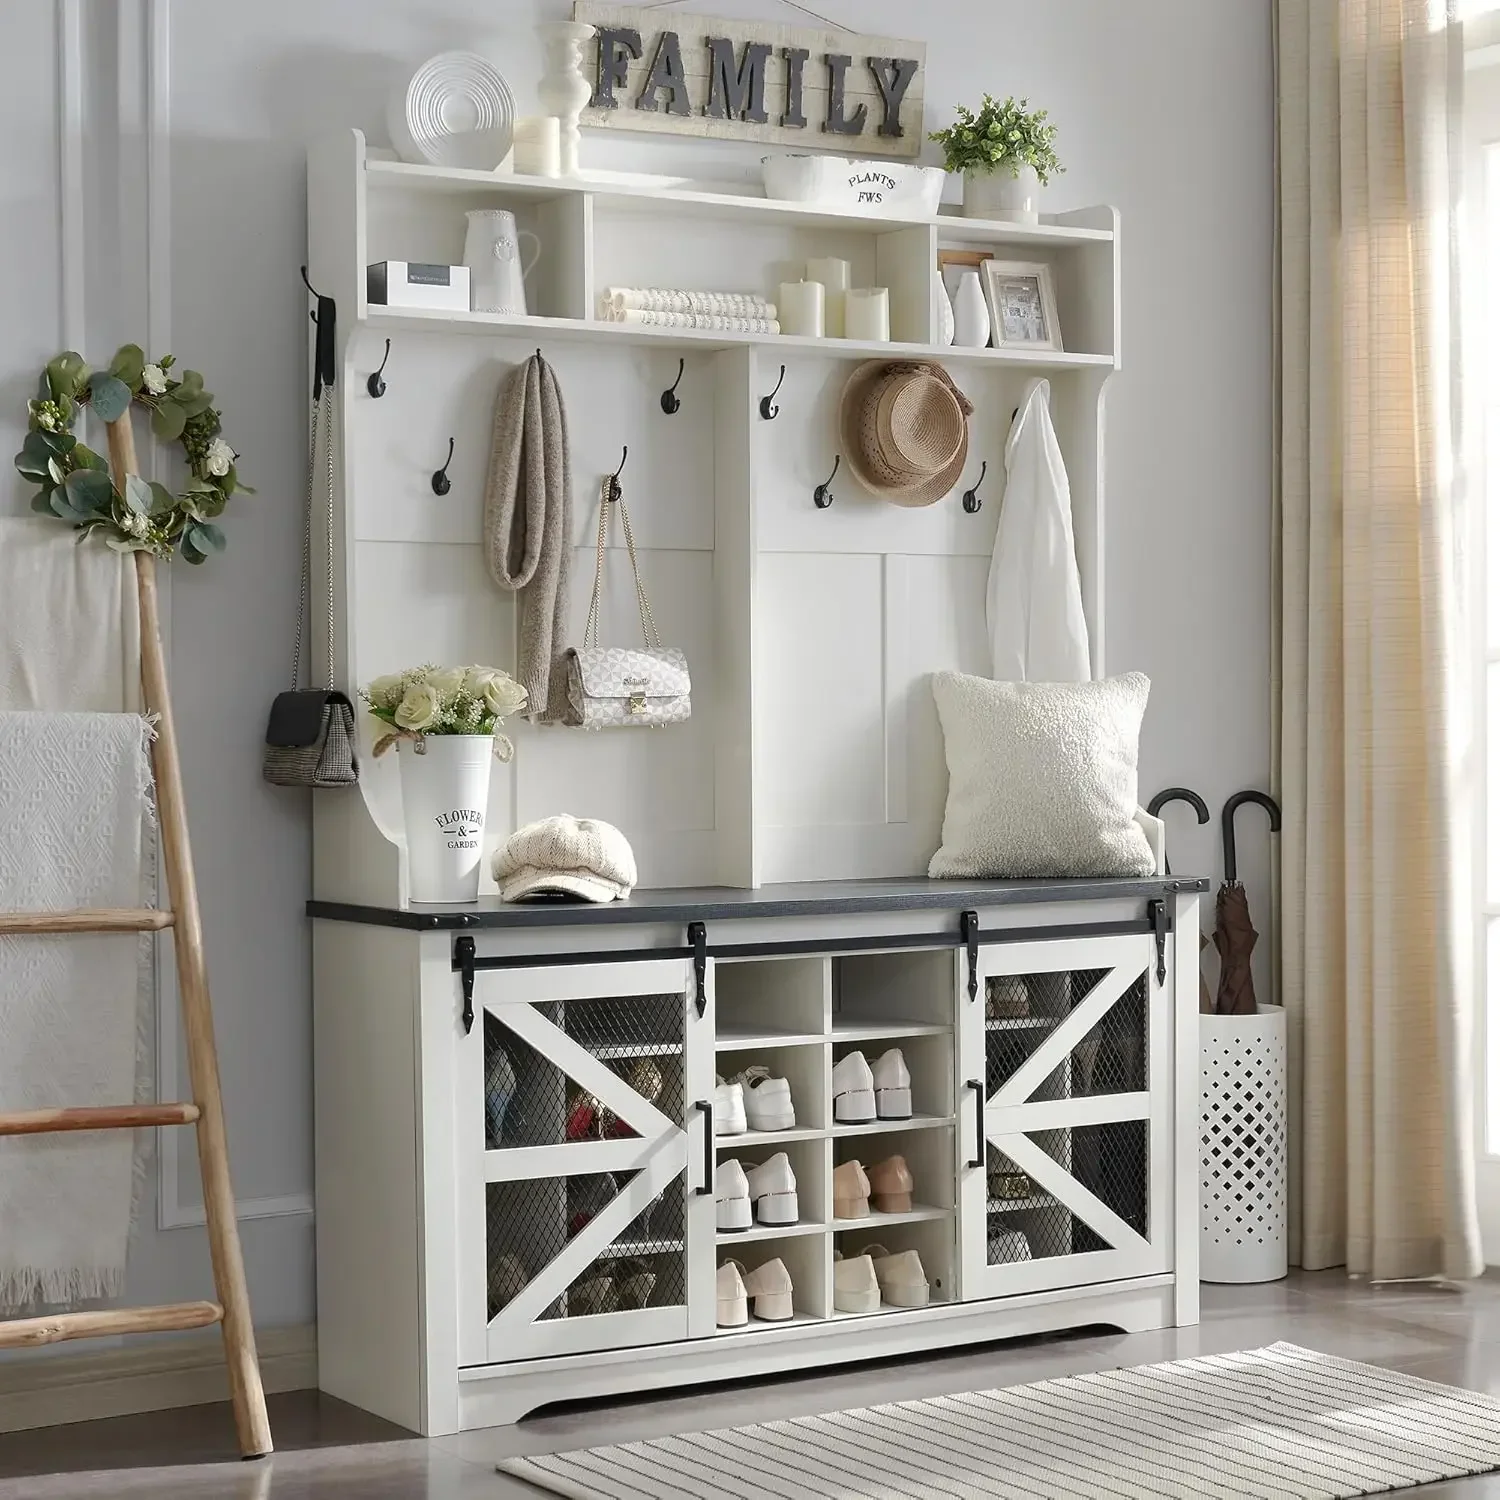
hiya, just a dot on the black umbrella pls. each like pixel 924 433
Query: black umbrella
pixel 1200 807
pixel 1234 933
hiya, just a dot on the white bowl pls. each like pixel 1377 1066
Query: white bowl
pixel 873 187
pixel 456 110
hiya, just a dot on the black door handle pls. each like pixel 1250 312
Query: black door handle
pixel 706 1187
pixel 978 1088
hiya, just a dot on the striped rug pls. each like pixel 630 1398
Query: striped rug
pixel 1282 1423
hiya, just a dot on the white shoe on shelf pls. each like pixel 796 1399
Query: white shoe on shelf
pixel 731 1307
pixel 903 1282
pixel 892 1086
pixel 768 1100
pixel 855 1289
pixel 1007 1245
pixel 732 1195
pixel 773 1191
pixel 771 1287
pixel 729 1108
pixel 853 1090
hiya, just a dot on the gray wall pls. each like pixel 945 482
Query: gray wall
pixel 190 122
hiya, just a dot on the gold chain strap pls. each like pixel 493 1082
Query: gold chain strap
pixel 648 623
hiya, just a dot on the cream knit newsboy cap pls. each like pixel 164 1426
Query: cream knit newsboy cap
pixel 566 856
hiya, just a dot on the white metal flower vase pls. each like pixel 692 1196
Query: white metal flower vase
pixel 445 794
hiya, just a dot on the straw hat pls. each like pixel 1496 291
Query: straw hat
pixel 905 430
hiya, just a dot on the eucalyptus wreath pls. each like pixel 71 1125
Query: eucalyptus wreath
pixel 75 482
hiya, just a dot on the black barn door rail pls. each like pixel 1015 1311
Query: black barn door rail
pixel 1156 923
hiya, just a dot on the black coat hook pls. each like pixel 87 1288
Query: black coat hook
pixel 375 385
pixel 823 495
pixel 1231 862
pixel 441 484
pixel 767 411
pixel 325 364
pixel 972 502
pixel 669 399
pixel 612 483
pixel 1178 794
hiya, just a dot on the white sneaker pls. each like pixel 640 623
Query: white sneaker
pixel 903 1282
pixel 771 1286
pixel 855 1289
pixel 729 1108
pixel 731 1307
pixel 732 1196
pixel 853 1090
pixel 768 1101
pixel 1007 1245
pixel 892 1086
pixel 773 1190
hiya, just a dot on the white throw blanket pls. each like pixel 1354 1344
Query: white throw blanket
pixel 75 1011
pixel 69 628
pixel 73 790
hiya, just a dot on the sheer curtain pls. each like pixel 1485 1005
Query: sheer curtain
pixel 1373 941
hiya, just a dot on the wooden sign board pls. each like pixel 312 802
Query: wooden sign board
pixel 656 70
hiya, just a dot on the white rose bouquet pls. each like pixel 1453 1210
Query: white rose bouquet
pixel 445 700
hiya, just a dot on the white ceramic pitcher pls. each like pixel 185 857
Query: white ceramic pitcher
pixel 492 252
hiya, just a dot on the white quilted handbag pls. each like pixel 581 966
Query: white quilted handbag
pixel 625 687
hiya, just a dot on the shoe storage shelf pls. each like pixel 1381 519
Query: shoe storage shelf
pixel 525 1192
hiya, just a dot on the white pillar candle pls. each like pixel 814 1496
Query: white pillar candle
pixel 538 148
pixel 800 308
pixel 833 273
pixel 867 314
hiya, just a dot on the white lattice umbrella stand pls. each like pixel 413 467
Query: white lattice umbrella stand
pixel 1243 1225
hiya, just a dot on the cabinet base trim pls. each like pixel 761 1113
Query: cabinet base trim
pixel 500 1395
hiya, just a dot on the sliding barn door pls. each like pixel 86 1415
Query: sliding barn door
pixel 1065 1174
pixel 584 1148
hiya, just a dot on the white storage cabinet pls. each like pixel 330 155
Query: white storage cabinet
pixel 515 1155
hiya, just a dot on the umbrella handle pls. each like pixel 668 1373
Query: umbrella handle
pixel 1178 794
pixel 1231 864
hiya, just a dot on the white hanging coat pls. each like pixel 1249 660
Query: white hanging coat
pixel 1034 603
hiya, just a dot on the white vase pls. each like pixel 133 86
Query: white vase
pixel 971 315
pixel 445 793
pixel 943 311
pixel 1012 197
pixel 564 89
pixel 492 252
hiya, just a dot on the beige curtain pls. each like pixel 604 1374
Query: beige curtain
pixel 1373 942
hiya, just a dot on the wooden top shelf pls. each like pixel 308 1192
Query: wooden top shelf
pixel 625 194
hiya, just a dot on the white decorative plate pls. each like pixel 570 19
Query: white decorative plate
pixel 456 111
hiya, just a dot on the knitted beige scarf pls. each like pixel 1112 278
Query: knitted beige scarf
pixel 528 526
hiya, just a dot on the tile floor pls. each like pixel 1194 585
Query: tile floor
pixel 329 1451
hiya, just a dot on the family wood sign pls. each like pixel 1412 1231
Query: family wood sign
pixel 752 81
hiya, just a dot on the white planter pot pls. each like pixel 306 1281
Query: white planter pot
pixel 999 195
pixel 1242 1229
pixel 445 793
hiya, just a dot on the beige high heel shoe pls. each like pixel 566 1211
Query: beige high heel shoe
pixel 851 1191
pixel 890 1186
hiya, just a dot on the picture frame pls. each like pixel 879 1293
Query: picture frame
pixel 1022 299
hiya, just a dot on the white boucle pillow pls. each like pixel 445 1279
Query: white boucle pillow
pixel 1041 777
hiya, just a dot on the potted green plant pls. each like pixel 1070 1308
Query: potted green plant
pixel 1007 156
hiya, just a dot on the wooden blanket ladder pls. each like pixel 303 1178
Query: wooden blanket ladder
pixel 206 1111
